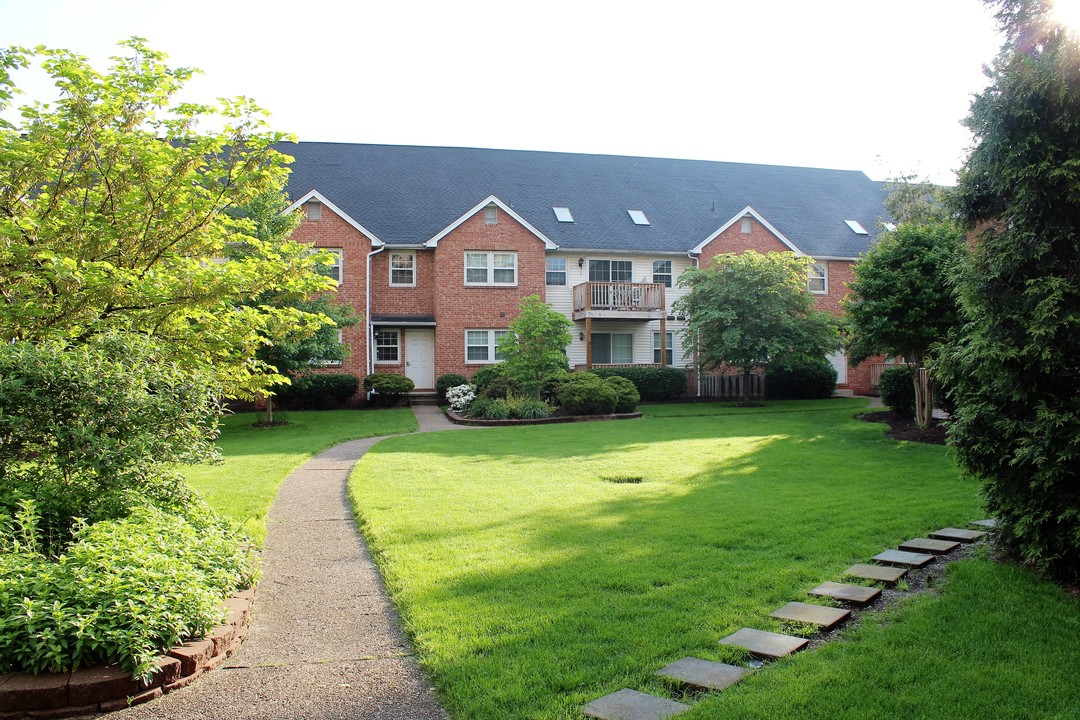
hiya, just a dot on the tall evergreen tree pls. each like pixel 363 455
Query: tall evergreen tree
pixel 1016 371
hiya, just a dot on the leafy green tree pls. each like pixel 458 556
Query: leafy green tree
pixel 902 301
pixel 918 202
pixel 112 216
pixel 535 347
pixel 752 310
pixel 1015 372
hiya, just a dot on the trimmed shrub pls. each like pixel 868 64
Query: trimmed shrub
pixel 811 380
pixel 447 381
pixel 586 394
pixel 479 407
pixel 390 387
pixel 485 375
pixel 500 388
pixel 652 383
pixel 549 388
pixel 318 391
pixel 626 395
pixel 898 391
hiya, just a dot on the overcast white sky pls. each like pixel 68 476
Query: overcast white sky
pixel 874 85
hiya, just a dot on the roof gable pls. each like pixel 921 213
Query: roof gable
pixel 490 200
pixel 739 216
pixel 316 195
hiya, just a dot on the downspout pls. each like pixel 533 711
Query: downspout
pixel 697 370
pixel 370 329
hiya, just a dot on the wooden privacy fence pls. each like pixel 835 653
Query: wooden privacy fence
pixel 730 387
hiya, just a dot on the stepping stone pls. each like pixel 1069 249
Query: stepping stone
pixel 926 545
pixel 964 536
pixel 702 674
pixel 854 594
pixel 765 644
pixel 989 523
pixel 826 617
pixel 907 559
pixel 878 573
pixel 628 704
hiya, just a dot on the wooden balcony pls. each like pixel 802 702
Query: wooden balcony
pixel 619 301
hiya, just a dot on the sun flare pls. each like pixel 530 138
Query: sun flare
pixel 1067 14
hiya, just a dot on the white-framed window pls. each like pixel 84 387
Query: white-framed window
pixel 334 269
pixel 403 269
pixel 482 346
pixel 613 348
pixel 746 225
pixel 556 271
pixel 669 348
pixel 387 346
pixel 490 268
pixel 817 280
pixel 313 210
pixel 661 272
pixel 611 271
pixel 491 214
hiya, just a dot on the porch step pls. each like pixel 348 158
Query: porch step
pixel 627 704
pixel 424 397
pixel 843 392
pixel 989 523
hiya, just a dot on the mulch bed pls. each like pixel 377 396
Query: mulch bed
pixel 904 428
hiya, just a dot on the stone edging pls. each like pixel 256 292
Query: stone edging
pixel 107 688
pixel 461 420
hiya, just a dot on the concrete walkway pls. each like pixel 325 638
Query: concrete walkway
pixel 325 641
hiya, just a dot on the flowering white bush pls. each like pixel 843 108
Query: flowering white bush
pixel 460 397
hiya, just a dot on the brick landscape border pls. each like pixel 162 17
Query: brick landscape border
pixel 108 688
pixel 461 420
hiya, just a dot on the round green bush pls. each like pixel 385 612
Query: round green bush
pixel 500 388
pixel 653 383
pixel 389 388
pixel 810 380
pixel 479 407
pixel 586 394
pixel 898 391
pixel 447 381
pixel 485 375
pixel 318 391
pixel 626 394
pixel 549 387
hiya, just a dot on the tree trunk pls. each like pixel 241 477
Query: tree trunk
pixel 746 386
pixel 269 409
pixel 924 396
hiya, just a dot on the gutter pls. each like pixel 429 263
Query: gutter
pixel 368 327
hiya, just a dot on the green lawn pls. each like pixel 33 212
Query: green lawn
pixel 257 459
pixel 532 582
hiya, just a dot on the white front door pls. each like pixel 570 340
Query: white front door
pixel 420 358
pixel 839 361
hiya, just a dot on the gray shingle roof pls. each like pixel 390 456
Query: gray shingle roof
pixel 407 194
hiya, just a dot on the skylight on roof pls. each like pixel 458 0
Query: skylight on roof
pixel 856 227
pixel 638 216
pixel 562 214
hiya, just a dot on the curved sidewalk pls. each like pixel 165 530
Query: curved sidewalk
pixel 325 641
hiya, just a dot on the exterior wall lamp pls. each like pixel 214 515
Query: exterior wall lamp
pixel 580 262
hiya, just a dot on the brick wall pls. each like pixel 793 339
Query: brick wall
pixel 462 307
pixel 734 240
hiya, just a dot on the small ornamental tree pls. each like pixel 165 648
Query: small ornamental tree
pixel 752 310
pixel 535 347
pixel 1015 372
pixel 902 301
pixel 113 217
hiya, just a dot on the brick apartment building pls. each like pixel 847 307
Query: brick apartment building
pixel 437 246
